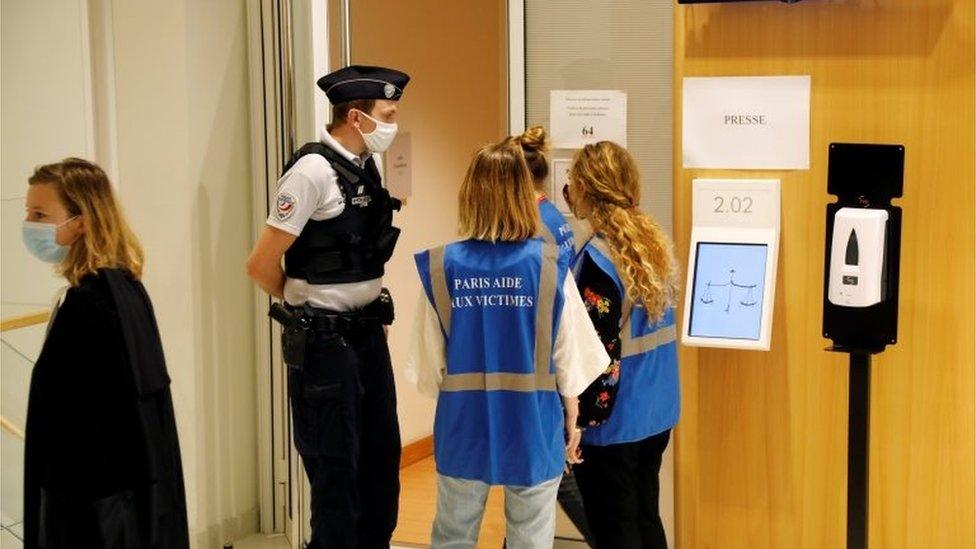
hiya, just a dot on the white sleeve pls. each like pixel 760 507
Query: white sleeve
pixel 297 199
pixel 578 353
pixel 309 190
pixel 427 361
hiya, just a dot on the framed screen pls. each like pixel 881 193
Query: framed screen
pixel 728 289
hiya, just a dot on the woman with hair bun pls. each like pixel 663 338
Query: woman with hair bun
pixel 535 148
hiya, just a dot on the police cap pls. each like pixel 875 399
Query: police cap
pixel 363 82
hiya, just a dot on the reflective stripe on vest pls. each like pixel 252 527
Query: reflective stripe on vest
pixel 542 379
pixel 630 345
pixel 546 235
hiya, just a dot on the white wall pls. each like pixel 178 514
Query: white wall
pixel 177 72
pixel 184 178
pixel 46 114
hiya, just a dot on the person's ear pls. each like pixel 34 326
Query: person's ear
pixel 363 122
pixel 82 224
pixel 353 118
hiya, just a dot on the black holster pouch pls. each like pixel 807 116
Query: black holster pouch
pixel 381 308
pixel 385 244
pixel 294 334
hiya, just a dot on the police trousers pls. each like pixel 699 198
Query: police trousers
pixel 343 403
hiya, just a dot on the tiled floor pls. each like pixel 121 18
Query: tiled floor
pixel 277 542
pixel 263 542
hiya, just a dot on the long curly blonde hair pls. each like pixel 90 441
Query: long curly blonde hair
pixel 606 191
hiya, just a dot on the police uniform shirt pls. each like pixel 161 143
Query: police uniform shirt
pixel 310 191
pixel 578 354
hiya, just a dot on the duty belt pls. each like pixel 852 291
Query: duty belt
pixel 325 320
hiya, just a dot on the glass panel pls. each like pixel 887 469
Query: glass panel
pixel 18 352
pixel 609 45
pixel 612 45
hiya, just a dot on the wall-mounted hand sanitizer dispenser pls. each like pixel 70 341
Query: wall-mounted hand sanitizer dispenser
pixel 857 257
pixel 862 246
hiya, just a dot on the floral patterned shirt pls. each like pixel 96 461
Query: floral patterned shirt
pixel 602 300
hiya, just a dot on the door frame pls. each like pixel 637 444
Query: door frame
pixel 516 66
pixel 287 51
pixel 271 130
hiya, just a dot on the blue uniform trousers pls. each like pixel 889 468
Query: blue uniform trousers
pixel 343 403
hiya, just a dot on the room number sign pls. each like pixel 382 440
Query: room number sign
pixel 736 202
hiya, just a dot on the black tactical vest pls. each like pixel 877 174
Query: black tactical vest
pixel 355 245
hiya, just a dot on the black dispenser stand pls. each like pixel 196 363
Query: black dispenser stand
pixel 863 176
pixel 858 437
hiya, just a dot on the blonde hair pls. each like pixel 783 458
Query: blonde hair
pixel 608 183
pixel 535 148
pixel 107 241
pixel 497 201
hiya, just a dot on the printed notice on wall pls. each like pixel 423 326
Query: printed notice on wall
pixel 581 117
pixel 560 178
pixel 398 167
pixel 760 122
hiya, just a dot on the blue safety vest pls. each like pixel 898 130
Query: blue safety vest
pixel 648 399
pixel 499 418
pixel 557 231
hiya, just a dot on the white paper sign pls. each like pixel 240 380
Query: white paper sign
pixel 580 117
pixel 760 122
pixel 560 178
pixel 398 167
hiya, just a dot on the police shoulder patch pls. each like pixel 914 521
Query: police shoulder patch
pixel 286 205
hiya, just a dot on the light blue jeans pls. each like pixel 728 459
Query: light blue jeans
pixel 530 514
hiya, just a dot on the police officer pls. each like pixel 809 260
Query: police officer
pixel 332 222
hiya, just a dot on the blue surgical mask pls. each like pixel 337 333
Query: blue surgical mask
pixel 41 240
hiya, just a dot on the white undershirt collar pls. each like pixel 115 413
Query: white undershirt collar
pixel 326 138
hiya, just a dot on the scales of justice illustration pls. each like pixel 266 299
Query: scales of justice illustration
pixel 747 294
pixel 732 259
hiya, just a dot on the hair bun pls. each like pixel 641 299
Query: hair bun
pixel 534 139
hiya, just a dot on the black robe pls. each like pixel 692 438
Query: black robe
pixel 102 459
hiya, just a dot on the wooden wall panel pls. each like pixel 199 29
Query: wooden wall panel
pixel 761 447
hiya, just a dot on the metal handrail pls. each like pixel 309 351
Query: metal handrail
pixel 24 321
pixel 16 323
pixel 8 426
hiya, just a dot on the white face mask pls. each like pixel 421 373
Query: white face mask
pixel 382 137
